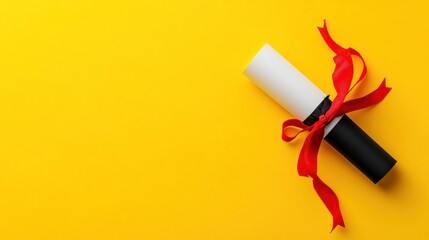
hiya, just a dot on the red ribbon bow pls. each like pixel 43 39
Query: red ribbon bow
pixel 342 78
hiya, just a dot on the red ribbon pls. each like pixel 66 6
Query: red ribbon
pixel 342 78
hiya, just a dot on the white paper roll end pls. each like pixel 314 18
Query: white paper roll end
pixel 284 83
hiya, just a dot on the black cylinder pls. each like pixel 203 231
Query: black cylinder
pixel 354 144
pixel 359 148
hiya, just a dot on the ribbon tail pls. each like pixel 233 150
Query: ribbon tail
pixel 307 166
pixel 372 98
pixel 330 200
pixel 328 39
pixel 364 69
pixel 307 161
pixel 343 74
pixel 344 69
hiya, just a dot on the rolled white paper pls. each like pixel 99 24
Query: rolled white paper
pixel 285 84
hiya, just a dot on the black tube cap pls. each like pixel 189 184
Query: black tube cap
pixel 359 148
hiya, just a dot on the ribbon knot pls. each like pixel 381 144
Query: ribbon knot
pixel 323 119
pixel 342 79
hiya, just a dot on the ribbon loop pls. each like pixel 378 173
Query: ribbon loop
pixel 293 123
pixel 342 78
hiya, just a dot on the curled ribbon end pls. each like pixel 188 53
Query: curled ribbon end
pixel 338 221
pixel 338 224
pixel 341 223
pixel 323 29
pixel 328 39
pixel 382 90
pixel 324 24
pixel 383 83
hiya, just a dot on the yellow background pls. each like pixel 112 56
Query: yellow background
pixel 133 120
